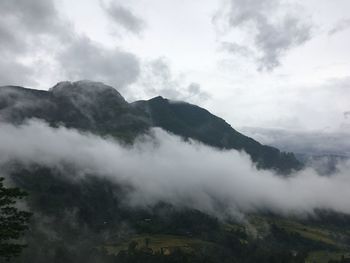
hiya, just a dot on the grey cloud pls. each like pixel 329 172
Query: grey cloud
pixel 275 40
pixel 9 42
pixel 13 72
pixel 23 27
pixel 157 78
pixel 34 29
pixel 347 114
pixel 242 11
pixel 38 16
pixel 195 90
pixel 237 49
pixel 26 21
pixel 273 26
pixel 162 167
pixel 85 59
pixel 124 18
pixel 342 25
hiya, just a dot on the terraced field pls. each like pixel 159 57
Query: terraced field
pixel 313 233
pixel 332 237
pixel 159 243
pixel 256 227
pixel 325 256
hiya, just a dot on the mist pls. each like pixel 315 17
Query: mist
pixel 307 142
pixel 163 167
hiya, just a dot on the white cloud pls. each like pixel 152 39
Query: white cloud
pixel 162 167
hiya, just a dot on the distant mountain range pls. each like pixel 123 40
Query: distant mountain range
pixel 101 109
pixel 322 150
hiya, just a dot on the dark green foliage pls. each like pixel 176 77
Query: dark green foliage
pixel 94 200
pixel 13 222
pixel 75 216
pixel 280 238
pixel 342 260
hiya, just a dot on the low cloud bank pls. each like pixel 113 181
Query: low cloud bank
pixel 163 167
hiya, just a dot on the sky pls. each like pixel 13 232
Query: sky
pixel 272 64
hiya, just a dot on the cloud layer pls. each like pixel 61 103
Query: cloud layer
pixel 124 18
pixel 272 28
pixel 162 167
pixel 342 25
pixel 84 59
pixel 37 42
pixel 158 79
pixel 24 27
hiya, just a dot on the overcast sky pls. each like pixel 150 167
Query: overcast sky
pixel 259 63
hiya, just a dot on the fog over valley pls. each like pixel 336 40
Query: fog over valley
pixel 163 167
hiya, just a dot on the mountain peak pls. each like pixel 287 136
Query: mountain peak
pixel 159 98
pixel 86 87
pixel 86 84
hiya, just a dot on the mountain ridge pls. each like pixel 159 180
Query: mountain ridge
pixel 101 109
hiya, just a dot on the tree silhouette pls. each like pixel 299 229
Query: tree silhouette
pixel 13 222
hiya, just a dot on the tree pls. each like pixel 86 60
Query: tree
pixel 13 222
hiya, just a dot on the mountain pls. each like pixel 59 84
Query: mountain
pixel 98 108
pixel 84 105
pixel 83 217
pixel 191 121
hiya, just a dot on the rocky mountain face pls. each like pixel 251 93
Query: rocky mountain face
pixel 98 108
